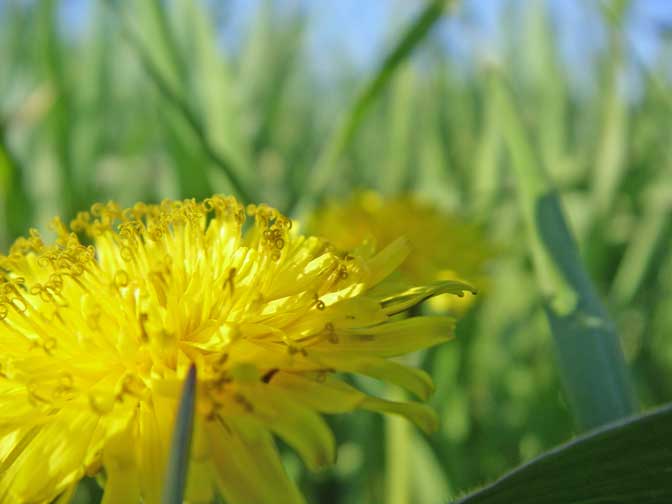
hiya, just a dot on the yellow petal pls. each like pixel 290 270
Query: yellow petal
pixel 394 338
pixel 420 414
pixel 402 301
pixel 54 451
pixel 315 272
pixel 300 427
pixel 333 396
pixel 388 260
pixel 153 454
pixel 414 380
pixel 246 464
pixel 328 396
pixel 355 312
pixel 200 479
pixel 120 458
pixel 12 445
pixel 67 494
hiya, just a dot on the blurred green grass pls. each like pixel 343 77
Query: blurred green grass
pixel 146 104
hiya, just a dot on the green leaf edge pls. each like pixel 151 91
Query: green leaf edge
pixel 658 425
pixel 178 463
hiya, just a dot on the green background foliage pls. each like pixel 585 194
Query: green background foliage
pixel 146 103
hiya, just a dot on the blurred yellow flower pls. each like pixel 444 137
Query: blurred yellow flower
pixel 443 246
pixel 95 341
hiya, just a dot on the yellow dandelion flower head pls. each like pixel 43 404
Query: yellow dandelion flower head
pixel 443 246
pixel 99 328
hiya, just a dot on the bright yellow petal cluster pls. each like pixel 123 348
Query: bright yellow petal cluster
pixel 96 339
pixel 443 246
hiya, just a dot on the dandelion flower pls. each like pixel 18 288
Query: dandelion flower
pixel 443 246
pixel 99 329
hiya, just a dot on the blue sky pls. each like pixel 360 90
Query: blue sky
pixel 359 30
pixel 357 25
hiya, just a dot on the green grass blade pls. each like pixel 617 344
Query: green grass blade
pixel 189 161
pixel 649 237
pixel 178 463
pixel 429 479
pixel 591 362
pixel 168 39
pixel 212 89
pixel 17 208
pixel 547 71
pixel 268 62
pixel 183 107
pixel 624 462
pixel 486 177
pixel 398 435
pixel 610 162
pixel 402 103
pixel 62 117
pixel 414 34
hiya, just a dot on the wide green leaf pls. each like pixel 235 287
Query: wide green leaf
pixel 629 461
